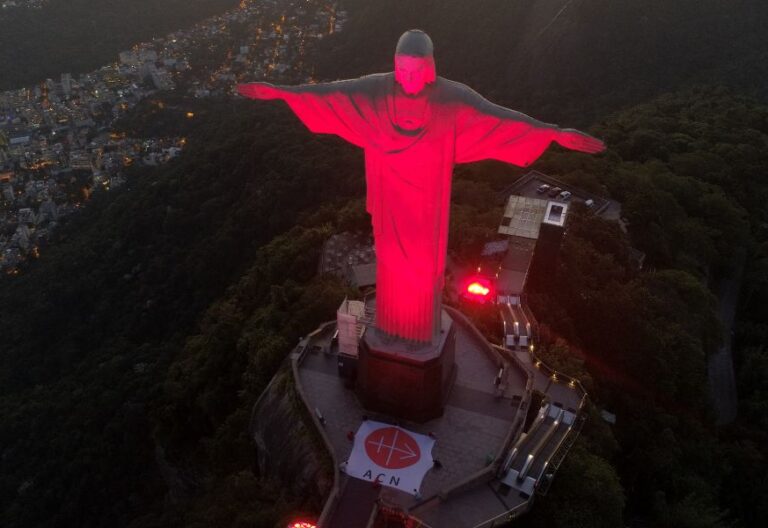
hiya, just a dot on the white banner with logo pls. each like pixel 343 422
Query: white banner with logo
pixel 390 455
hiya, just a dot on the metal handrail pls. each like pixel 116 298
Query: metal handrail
pixel 333 495
pixel 507 515
pixel 559 455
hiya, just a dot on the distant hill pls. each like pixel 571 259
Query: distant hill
pixel 566 60
pixel 78 36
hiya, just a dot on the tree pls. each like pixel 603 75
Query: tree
pixel 586 493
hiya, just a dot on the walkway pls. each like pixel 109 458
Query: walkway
pixel 356 504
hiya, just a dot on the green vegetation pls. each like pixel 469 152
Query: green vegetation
pixel 133 351
pixel 584 477
pixel 689 169
pixel 693 198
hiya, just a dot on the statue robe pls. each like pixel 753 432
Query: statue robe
pixel 408 176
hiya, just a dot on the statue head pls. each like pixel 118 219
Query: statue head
pixel 414 61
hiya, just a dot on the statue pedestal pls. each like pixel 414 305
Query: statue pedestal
pixel 404 379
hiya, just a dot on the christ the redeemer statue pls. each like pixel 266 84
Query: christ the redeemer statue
pixel 414 127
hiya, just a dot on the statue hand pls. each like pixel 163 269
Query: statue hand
pixel 575 140
pixel 258 90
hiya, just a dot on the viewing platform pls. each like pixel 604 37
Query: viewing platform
pixel 485 439
pixel 496 420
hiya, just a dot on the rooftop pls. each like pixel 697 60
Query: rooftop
pixel 528 186
pixel 523 216
pixel 514 267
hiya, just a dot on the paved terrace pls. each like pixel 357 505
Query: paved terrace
pixel 547 439
pixel 474 431
pixel 528 184
pixel 480 437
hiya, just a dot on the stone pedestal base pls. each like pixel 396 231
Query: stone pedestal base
pixel 403 379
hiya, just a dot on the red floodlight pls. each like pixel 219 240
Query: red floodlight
pixel 302 524
pixel 478 289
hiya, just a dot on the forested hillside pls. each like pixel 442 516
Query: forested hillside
pixel 131 364
pixel 133 351
pixel 689 168
pixel 79 36
pixel 105 389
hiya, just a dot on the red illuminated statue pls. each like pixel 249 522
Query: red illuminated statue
pixel 414 127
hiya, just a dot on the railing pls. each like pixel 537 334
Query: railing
pixel 531 318
pixel 567 441
pixel 374 515
pixel 559 455
pixel 501 362
pixel 505 517
pixel 478 337
pixel 483 475
pixel 369 316
pixel 558 377
pixel 391 510
pixel 575 383
pixel 333 497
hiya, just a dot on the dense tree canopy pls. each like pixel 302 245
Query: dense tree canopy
pixel 117 362
pixel 645 336
pixel 134 349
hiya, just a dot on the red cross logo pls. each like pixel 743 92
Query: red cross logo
pixel 392 448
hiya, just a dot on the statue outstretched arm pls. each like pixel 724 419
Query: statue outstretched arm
pixel 327 108
pixel 576 140
pixel 260 90
pixel 485 130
